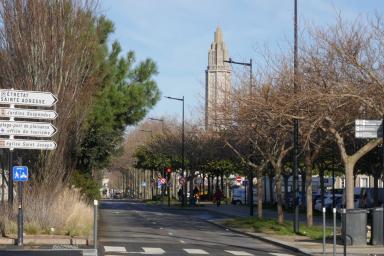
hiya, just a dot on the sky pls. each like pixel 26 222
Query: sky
pixel 177 35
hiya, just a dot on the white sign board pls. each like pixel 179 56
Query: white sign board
pixel 27 98
pixel 29 129
pixel 368 129
pixel 28 113
pixel 28 144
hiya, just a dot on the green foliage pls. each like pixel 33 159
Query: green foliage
pixel 89 187
pixel 127 93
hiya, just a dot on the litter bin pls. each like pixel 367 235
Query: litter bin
pixel 355 227
pixel 377 226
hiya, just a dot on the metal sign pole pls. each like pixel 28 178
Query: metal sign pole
pixel 20 222
pixel 324 211
pixel 334 231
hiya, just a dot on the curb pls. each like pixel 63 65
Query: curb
pixel 264 239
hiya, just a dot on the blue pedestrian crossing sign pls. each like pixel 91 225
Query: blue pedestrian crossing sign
pixel 20 173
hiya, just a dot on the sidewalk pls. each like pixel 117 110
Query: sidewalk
pixel 296 243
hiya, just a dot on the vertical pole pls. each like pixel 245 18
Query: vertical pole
pixel 168 189
pixel 252 151
pixel 95 206
pixel 344 228
pixel 382 147
pixel 295 128
pixel 324 211
pixel 20 215
pixel 152 184
pixel 334 231
pixel 182 158
pixel 10 179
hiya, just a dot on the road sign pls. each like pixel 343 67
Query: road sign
pixel 20 173
pixel 168 170
pixel 28 113
pixel 27 98
pixel 144 184
pixel 28 144
pixel 368 128
pixel 29 129
pixel 163 181
pixel 182 180
pixel 238 179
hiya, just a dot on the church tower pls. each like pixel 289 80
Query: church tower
pixel 217 83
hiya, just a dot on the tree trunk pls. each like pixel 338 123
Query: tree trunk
pixel 349 165
pixel 286 197
pixel 280 213
pixel 308 186
pixel 222 182
pixel 260 194
pixel 303 189
pixel 209 188
pixel 271 196
pixel 375 190
pixel 322 188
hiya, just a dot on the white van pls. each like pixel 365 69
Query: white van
pixel 239 196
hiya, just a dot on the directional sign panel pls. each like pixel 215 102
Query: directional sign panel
pixel 368 128
pixel 20 173
pixel 27 98
pixel 28 113
pixel 28 144
pixel 29 129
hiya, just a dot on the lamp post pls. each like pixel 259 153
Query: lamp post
pixel 182 148
pixel 295 128
pixel 250 178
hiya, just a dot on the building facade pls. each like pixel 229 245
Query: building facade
pixel 217 83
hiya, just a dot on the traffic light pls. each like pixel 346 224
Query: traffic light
pixel 168 170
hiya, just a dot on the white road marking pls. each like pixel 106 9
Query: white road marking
pixel 170 233
pixel 114 249
pixel 239 253
pixel 196 251
pixel 152 251
pixel 281 254
pixel 182 241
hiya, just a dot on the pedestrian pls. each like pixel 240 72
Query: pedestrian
pixel 180 194
pixel 218 195
pixel 196 195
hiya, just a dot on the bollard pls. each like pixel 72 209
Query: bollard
pixel 95 205
pixel 324 211
pixel 334 231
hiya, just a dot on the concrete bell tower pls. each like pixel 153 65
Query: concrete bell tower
pixel 217 83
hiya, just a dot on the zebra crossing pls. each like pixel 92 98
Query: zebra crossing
pixel 121 250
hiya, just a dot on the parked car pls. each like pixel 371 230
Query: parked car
pixel 239 196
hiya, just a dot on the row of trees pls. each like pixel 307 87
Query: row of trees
pixel 62 47
pixel 341 79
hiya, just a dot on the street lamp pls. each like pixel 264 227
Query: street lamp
pixel 182 148
pixel 250 178
pixel 295 129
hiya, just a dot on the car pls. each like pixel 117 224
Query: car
pixel 239 196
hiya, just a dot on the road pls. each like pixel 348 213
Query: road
pixel 134 228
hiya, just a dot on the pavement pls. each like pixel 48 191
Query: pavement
pixel 302 244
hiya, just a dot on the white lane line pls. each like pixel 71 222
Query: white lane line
pixel 170 233
pixel 281 254
pixel 152 251
pixel 114 249
pixel 182 241
pixel 239 253
pixel 196 251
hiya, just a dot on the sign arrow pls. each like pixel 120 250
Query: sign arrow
pixel 28 144
pixel 27 98
pixel 29 129
pixel 28 113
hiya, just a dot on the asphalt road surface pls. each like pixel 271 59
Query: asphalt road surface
pixel 134 228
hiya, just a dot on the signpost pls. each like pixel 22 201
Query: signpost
pixel 28 129
pixel 28 113
pixel 27 98
pixel 24 128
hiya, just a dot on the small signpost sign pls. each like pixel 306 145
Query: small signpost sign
pixel 20 173
pixel 368 129
pixel 11 128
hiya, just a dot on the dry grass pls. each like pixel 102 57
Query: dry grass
pixel 63 212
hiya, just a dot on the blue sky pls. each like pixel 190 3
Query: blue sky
pixel 177 34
